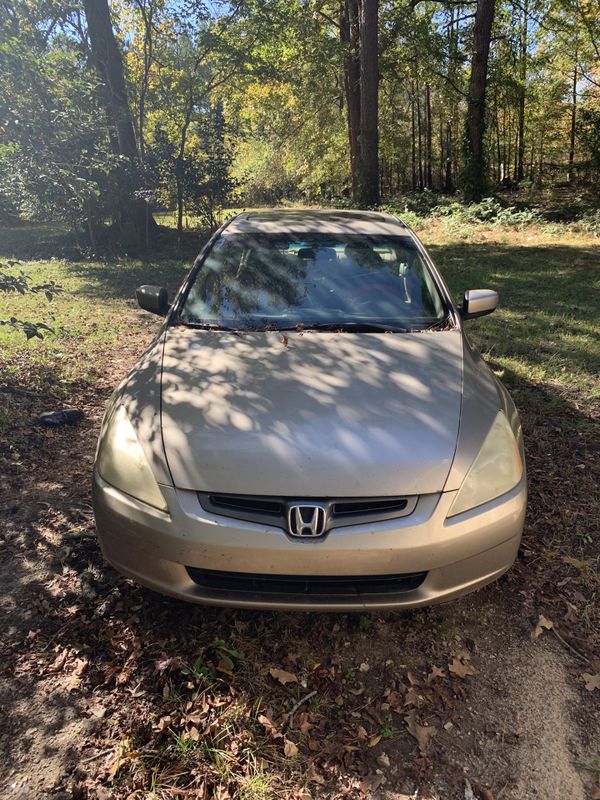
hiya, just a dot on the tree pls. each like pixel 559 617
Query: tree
pixel 474 174
pixel 368 188
pixel 349 37
pixel 132 213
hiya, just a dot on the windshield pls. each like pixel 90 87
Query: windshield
pixel 260 281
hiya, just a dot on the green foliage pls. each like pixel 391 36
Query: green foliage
pixel 54 158
pixel 589 128
pixel 20 283
pixel 488 212
pixel 248 104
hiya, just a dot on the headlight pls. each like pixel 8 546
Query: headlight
pixel 122 463
pixel 496 470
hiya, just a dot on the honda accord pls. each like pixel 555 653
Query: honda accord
pixel 311 428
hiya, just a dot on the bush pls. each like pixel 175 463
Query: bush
pixel 488 212
pixel 589 222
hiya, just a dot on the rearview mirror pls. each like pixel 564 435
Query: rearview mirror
pixel 153 298
pixel 478 303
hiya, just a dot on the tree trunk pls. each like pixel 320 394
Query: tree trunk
pixel 509 152
pixel 428 135
pixel 474 174
pixel 571 175
pixel 448 182
pixel 108 62
pixel 180 164
pixel 369 103
pixel 442 150
pixel 131 211
pixel 520 171
pixel 148 51
pixel 419 135
pixel 413 138
pixel 349 27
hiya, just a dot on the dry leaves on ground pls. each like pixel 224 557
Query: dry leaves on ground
pixel 542 624
pixel 461 666
pixel 591 681
pixel 283 676
pixel 422 733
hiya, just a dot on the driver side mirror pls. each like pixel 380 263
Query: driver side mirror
pixel 478 303
pixel 153 298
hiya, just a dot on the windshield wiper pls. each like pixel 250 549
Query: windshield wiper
pixel 207 326
pixel 356 327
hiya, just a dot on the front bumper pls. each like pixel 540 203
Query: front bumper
pixel 458 554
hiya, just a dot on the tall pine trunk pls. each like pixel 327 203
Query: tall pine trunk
pixel 413 151
pixel 571 174
pixel 474 170
pixel 349 37
pixel 419 135
pixel 369 103
pixel 520 171
pixel 428 137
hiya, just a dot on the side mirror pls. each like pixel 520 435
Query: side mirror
pixel 478 303
pixel 153 298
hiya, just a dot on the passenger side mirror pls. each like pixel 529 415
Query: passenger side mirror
pixel 478 303
pixel 154 299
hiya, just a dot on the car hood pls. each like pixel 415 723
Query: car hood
pixel 311 414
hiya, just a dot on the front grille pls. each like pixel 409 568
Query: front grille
pixel 381 505
pixel 242 505
pixel 290 586
pixel 339 511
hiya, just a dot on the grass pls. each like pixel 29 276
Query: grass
pixel 91 315
pixel 546 330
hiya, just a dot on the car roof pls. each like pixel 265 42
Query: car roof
pixel 334 221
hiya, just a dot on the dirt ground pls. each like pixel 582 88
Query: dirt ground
pixel 108 690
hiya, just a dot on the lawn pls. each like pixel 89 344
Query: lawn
pixel 126 694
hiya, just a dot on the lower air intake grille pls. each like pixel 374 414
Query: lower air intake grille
pixel 303 586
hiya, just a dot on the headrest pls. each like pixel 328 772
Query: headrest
pixel 363 254
pixel 326 254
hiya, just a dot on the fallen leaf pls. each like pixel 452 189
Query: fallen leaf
pixel 539 628
pixel 461 668
pixel 289 749
pixel 269 727
pixel 305 724
pixel 591 681
pixel 412 697
pixel 422 733
pixel 283 676
pixel 374 740
pixel 436 672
